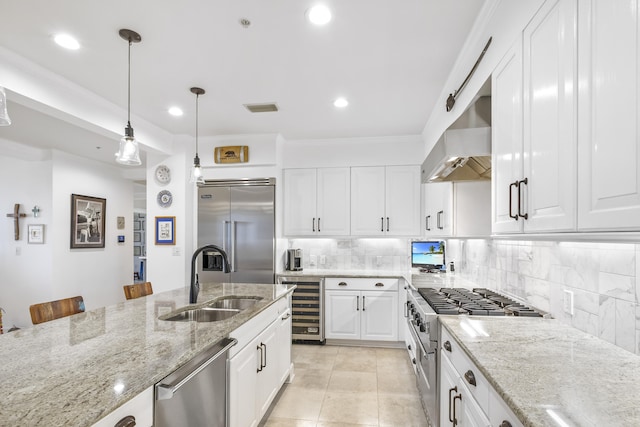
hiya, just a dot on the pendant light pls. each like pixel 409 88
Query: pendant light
pixel 129 152
pixel 4 115
pixel 196 171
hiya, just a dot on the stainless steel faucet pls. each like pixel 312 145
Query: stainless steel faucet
pixel 195 285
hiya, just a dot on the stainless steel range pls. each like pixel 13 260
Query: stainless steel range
pixel 422 309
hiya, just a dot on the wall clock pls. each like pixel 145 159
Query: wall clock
pixel 164 198
pixel 163 174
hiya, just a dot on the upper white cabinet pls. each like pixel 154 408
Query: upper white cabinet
pixel 438 209
pixel 609 145
pixel 385 200
pixel 534 126
pixel 316 202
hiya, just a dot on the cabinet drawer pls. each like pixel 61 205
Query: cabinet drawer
pixel 140 407
pixel 361 284
pixel 466 369
pixel 499 411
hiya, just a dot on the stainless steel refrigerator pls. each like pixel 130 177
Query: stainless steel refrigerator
pixel 239 217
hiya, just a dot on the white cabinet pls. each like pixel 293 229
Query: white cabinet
pixel 317 202
pixel 534 126
pixel 361 309
pixel 460 209
pixel 609 139
pixel 438 209
pixel 466 397
pixel 140 407
pixel 259 364
pixel 385 200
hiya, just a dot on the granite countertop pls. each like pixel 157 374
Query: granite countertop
pixel 75 370
pixel 543 368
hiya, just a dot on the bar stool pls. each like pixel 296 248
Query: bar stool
pixel 137 290
pixel 51 310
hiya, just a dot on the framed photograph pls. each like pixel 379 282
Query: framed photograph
pixel 136 225
pixel 137 251
pixel 137 236
pixel 87 221
pixel 36 233
pixel 165 230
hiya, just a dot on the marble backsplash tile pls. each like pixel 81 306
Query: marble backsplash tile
pixel 604 279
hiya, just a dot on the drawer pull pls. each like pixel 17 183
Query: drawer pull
pixel 505 423
pixel 447 346
pixel 379 285
pixel 342 284
pixel 128 421
pixel 470 377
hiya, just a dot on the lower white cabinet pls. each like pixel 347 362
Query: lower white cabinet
pixel 258 368
pixel 466 397
pixel 361 309
pixel 140 408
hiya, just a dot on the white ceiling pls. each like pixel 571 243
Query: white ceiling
pixel 389 58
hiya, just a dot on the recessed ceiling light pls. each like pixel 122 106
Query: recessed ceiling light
pixel 340 103
pixel 319 14
pixel 67 41
pixel 176 111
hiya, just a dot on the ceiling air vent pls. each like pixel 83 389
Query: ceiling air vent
pixel 261 108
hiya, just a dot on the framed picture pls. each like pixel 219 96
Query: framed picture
pixel 137 251
pixel 137 236
pixel 87 221
pixel 136 225
pixel 165 230
pixel 36 233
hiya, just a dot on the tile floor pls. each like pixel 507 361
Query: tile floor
pixel 337 386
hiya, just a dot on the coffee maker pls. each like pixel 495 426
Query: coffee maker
pixel 294 260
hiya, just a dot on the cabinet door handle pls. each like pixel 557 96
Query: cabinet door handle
pixel 342 284
pixel 313 225
pixel 451 390
pixel 357 303
pixel 387 224
pixel 513 184
pixel 379 285
pixel 428 217
pixel 455 418
pixel 261 357
pixel 447 346
pixel 128 421
pixel 382 224
pixel 363 305
pixel 318 225
pixel 470 377
pixel 265 354
pixel 505 423
pixel 440 226
pixel 521 197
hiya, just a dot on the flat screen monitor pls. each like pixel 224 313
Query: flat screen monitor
pixel 428 254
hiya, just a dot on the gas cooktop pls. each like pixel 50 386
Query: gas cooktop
pixel 478 302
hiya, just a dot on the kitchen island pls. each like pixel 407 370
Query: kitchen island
pixel 75 370
pixel 550 374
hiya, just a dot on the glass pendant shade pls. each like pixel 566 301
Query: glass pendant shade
pixel 129 152
pixel 196 172
pixel 4 115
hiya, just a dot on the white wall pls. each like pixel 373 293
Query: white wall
pixel 53 270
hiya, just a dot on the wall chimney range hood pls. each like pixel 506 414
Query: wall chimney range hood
pixel 463 152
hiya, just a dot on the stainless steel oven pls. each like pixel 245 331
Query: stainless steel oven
pixel 423 326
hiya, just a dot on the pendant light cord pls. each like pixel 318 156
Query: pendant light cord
pixel 129 87
pixel 197 97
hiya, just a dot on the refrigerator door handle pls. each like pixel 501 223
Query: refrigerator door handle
pixel 233 246
pixel 225 224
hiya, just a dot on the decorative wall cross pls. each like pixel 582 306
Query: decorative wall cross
pixel 16 215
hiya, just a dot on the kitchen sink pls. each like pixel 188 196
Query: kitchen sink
pixel 204 314
pixel 238 303
pixel 220 309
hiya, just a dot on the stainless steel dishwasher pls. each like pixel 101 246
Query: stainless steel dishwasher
pixel 196 393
